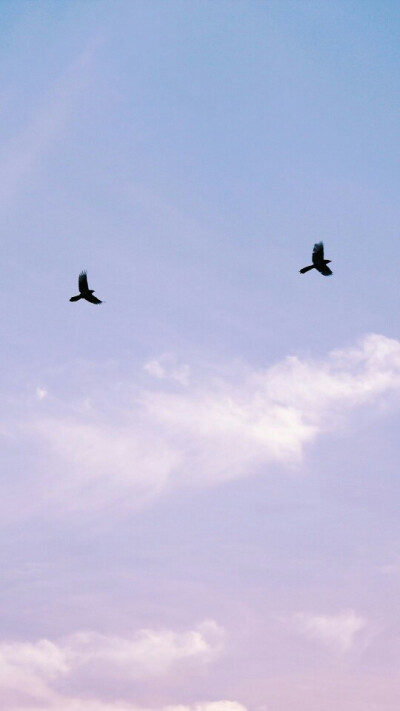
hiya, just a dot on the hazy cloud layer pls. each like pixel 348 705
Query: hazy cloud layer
pixel 162 461
pixel 167 367
pixel 60 704
pixel 42 672
pixel 217 429
pixel 45 128
pixel 333 630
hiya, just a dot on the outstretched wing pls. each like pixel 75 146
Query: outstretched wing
pixel 93 299
pixel 83 282
pixel 325 270
pixel 318 252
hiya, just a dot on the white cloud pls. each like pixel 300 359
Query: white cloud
pixel 74 704
pixel 105 462
pixel 148 653
pixel 30 671
pixel 27 669
pixel 213 706
pixel 215 429
pixel 333 630
pixel 167 367
pixel 271 415
pixel 155 368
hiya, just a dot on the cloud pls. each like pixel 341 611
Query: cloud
pixel 218 428
pixel 105 463
pixel 27 669
pixel 31 672
pixel 212 706
pixel 25 150
pixel 390 568
pixel 60 704
pixel 271 415
pixel 333 630
pixel 167 367
pixel 148 653
pixel 155 368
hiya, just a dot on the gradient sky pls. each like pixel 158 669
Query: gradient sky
pixel 200 478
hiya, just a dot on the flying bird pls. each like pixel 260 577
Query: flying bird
pixel 85 292
pixel 318 261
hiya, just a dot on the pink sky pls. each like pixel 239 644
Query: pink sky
pixel 199 482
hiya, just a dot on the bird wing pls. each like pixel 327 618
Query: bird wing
pixel 325 270
pixel 318 251
pixel 83 282
pixel 93 299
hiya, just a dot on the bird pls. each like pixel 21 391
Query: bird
pixel 319 263
pixel 85 292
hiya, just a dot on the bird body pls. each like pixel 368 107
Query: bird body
pixel 318 261
pixel 84 291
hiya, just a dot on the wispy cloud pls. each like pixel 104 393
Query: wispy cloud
pixel 167 367
pixel 45 126
pixel 332 630
pixel 31 672
pixel 214 430
pixel 86 704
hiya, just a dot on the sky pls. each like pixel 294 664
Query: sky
pixel 199 477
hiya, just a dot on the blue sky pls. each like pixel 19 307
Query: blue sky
pixel 200 477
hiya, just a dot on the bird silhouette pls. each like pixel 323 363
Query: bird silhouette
pixel 319 263
pixel 84 291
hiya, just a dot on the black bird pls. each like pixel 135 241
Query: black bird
pixel 319 263
pixel 85 292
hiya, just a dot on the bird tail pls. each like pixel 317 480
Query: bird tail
pixel 306 269
pixel 76 298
